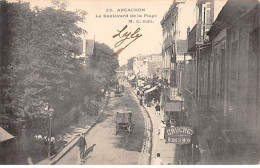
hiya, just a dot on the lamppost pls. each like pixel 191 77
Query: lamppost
pixel 50 112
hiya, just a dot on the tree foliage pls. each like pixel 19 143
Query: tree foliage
pixel 130 62
pixel 104 60
pixel 103 64
pixel 39 51
pixel 38 64
pixel 37 56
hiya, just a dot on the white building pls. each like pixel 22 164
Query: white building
pixel 87 47
pixel 141 64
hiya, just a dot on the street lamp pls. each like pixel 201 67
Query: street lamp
pixel 50 112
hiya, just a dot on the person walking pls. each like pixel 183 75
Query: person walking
pixel 161 129
pixel 76 115
pixel 84 109
pixel 157 109
pixel 82 145
pixel 141 102
pixel 153 102
pixel 96 108
pixel 53 148
pixel 158 160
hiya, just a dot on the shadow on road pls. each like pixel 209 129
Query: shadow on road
pixel 88 151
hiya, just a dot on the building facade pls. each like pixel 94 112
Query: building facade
pixel 227 70
pixel 174 50
pixel 199 47
pixel 146 66
pixel 87 47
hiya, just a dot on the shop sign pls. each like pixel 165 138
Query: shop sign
pixel 178 135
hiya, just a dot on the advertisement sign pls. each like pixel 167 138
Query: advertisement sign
pixel 178 135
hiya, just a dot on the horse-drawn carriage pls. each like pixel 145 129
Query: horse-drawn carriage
pixel 124 122
pixel 119 90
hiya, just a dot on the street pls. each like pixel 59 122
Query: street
pixel 103 145
pixel 186 91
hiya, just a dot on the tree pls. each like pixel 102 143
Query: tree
pixel 37 53
pixel 104 63
pixel 38 64
pixel 130 62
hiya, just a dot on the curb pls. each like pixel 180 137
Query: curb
pixel 148 137
pixel 75 140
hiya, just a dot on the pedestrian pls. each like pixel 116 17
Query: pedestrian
pixel 90 108
pixel 84 109
pixel 53 151
pixel 168 124
pixel 76 115
pixel 158 160
pixel 153 102
pixel 142 93
pixel 161 129
pixel 141 102
pixel 157 109
pixel 96 108
pixel 82 145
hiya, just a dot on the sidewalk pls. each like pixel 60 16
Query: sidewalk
pixel 71 134
pixel 172 153
pixel 167 151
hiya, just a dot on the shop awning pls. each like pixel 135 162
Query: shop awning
pixel 4 135
pixel 132 77
pixel 150 90
pixel 140 82
pixel 147 87
pixel 173 106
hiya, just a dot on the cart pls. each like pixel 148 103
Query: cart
pixel 119 91
pixel 124 122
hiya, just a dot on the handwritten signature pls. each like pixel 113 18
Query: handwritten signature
pixel 125 36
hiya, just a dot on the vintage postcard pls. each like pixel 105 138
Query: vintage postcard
pixel 129 82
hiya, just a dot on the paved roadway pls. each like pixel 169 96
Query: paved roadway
pixel 104 146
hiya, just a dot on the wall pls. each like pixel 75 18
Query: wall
pixel 243 41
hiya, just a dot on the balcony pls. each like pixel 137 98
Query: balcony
pixel 198 35
pixel 165 73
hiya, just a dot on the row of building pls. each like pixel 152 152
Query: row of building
pixel 147 66
pixel 218 77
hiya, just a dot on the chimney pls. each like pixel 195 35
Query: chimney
pixel 188 30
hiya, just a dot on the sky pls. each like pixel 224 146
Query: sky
pixel 102 29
